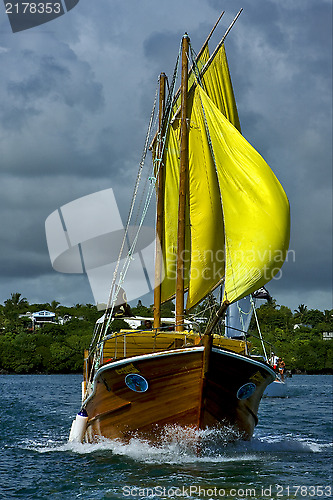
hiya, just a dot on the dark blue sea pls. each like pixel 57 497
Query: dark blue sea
pixel 289 457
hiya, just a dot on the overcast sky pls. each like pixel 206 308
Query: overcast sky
pixel 76 96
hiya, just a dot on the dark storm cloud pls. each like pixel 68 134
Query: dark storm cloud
pixel 45 102
pixel 46 79
pixel 75 100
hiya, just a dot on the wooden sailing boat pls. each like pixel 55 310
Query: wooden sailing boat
pixel 222 217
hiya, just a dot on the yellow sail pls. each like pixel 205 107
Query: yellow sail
pixel 170 218
pixel 237 220
pixel 255 206
pixel 171 196
pixel 217 82
pixel 206 219
pixel 215 78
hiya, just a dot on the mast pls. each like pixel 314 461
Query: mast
pixel 217 48
pixel 209 36
pixel 182 188
pixel 159 210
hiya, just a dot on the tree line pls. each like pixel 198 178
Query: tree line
pixel 301 338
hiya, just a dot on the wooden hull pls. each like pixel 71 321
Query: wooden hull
pixel 175 394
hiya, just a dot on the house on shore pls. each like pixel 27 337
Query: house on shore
pixel 41 317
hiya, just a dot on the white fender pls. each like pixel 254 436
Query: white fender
pixel 78 428
pixel 83 387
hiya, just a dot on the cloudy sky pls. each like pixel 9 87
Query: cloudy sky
pixel 76 96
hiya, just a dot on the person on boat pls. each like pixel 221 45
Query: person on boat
pixel 281 367
pixel 274 361
pixel 148 324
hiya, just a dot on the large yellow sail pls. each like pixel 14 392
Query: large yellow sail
pixel 217 82
pixel 206 218
pixel 171 196
pixel 237 220
pixel 255 206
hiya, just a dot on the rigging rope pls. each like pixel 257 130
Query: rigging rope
pixel 114 291
pixel 99 333
pixel 259 330
pixel 135 192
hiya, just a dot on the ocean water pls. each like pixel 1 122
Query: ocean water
pixel 289 457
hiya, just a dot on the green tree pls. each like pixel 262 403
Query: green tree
pixel 141 310
pixel 13 307
pixel 167 309
pixel 54 305
pixel 16 302
pixel 313 317
pixel 300 312
pixel 119 324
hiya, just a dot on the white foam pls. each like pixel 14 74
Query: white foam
pixel 178 445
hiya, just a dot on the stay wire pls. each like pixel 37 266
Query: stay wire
pixel 111 303
pixel 151 190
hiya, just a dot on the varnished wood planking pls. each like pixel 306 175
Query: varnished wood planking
pixel 227 374
pixel 172 396
pixel 135 343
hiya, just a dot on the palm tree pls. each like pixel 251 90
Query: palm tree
pixel 300 311
pixel 12 309
pixel 328 316
pixel 16 302
pixel 54 305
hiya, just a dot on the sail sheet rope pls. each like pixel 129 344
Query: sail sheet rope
pixel 99 332
pixel 114 290
pixel 258 326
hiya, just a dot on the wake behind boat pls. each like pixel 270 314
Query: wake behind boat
pixel 222 219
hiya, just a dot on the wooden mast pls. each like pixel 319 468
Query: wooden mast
pixel 159 210
pixel 209 37
pixel 182 187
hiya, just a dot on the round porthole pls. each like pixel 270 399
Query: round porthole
pixel 136 382
pixel 246 390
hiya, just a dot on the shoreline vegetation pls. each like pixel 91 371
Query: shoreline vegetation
pixel 303 338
